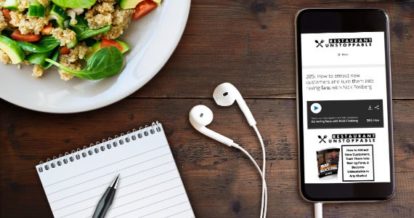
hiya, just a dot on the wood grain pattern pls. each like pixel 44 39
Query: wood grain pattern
pixel 217 178
pixel 249 43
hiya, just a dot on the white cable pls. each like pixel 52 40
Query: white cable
pixel 264 188
pixel 261 175
pixel 318 207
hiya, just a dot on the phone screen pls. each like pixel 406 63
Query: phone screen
pixel 345 111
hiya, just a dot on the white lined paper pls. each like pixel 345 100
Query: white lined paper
pixel 149 186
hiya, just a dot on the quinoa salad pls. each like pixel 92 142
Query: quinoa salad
pixel 82 38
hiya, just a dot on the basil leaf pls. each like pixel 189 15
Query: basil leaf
pixel 45 45
pixel 74 3
pixel 104 63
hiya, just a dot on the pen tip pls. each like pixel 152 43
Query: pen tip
pixel 115 182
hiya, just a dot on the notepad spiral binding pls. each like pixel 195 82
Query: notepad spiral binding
pixel 99 146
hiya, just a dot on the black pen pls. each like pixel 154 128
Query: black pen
pixel 106 200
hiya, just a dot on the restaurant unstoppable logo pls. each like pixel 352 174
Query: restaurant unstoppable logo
pixel 344 42
pixel 348 138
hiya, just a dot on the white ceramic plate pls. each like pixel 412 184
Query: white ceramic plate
pixel 153 40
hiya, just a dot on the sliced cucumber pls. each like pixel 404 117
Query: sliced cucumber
pixel 124 45
pixel 12 49
pixel 11 4
pixel 57 13
pixel 129 4
pixel 98 45
pixel 36 10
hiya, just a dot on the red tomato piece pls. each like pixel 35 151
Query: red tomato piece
pixel 109 42
pixel 16 35
pixel 6 14
pixel 143 9
pixel 64 50
pixel 47 30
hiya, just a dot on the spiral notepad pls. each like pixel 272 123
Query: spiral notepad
pixel 150 184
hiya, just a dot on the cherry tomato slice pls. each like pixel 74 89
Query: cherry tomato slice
pixel 47 30
pixel 109 42
pixel 64 50
pixel 6 14
pixel 16 35
pixel 143 9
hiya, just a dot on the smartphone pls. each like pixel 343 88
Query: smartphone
pixel 344 105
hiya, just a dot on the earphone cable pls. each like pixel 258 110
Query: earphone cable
pixel 262 215
pixel 264 186
pixel 318 207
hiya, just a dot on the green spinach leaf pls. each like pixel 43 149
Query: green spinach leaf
pixel 105 63
pixel 83 31
pixel 37 58
pixel 81 25
pixel 90 33
pixel 46 65
pixel 74 3
pixel 40 58
pixel 45 45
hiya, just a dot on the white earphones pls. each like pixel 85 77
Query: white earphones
pixel 226 94
pixel 201 116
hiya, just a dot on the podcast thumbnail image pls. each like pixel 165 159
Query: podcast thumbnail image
pixel 328 162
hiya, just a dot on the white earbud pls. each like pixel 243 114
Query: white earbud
pixel 200 117
pixel 226 94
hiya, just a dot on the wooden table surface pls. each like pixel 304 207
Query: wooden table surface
pixel 251 44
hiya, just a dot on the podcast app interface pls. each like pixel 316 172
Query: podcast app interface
pixel 345 107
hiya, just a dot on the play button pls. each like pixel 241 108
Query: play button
pixel 316 108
